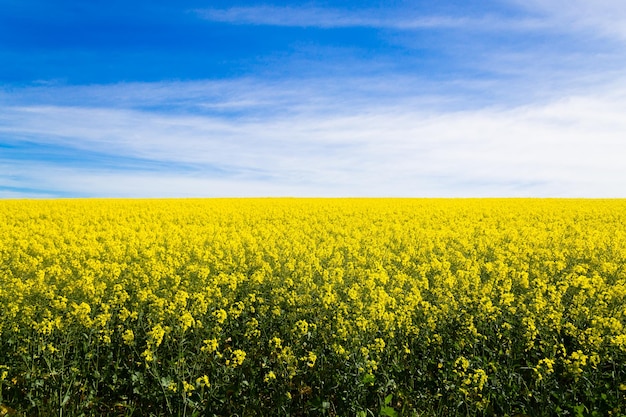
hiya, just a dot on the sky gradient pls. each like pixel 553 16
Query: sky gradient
pixel 466 98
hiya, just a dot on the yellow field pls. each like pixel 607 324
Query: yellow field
pixel 342 307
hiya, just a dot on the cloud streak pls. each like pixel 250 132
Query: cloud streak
pixel 566 147
pixel 599 17
pixel 327 18
pixel 602 18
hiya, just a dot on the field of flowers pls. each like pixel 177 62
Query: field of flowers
pixel 338 307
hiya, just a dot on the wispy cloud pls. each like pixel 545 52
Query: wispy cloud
pixel 570 146
pixel 338 18
pixel 499 98
pixel 605 18
pixel 308 17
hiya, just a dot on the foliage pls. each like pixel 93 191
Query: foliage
pixel 338 307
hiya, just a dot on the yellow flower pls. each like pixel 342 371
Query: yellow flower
pixel 236 309
pixel 301 328
pixel 462 363
pixel 203 381
pixel 310 359
pixel 339 350
pixel 220 315
pixel 128 337
pixel 479 378
pixel 148 355
pixel 186 320
pixel 209 345
pixel 155 336
pixel 276 342
pixel 379 344
pixel 237 358
pixel 187 387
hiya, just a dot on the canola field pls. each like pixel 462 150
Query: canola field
pixel 337 307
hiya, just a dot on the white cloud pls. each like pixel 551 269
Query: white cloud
pixel 372 18
pixel 542 117
pixel 304 17
pixel 572 146
pixel 605 17
pixel 598 17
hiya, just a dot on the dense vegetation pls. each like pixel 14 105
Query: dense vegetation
pixel 337 307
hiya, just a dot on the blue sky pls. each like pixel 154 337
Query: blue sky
pixel 491 98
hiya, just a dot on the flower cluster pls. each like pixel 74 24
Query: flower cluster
pixel 224 307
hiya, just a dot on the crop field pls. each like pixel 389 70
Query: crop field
pixel 337 307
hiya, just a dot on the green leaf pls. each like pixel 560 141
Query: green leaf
pixel 368 378
pixel 388 411
pixel 579 410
